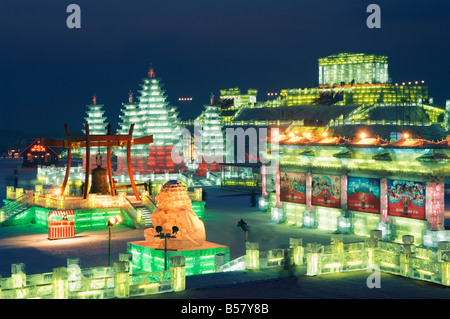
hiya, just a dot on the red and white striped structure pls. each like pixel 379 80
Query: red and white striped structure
pixel 58 227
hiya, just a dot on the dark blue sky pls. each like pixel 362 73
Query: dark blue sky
pixel 48 73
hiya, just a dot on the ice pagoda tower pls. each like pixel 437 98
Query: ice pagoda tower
pixel 131 115
pixel 97 126
pixel 210 140
pixel 151 115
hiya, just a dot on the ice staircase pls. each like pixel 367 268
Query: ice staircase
pixel 203 182
pixel 146 216
pixel 147 207
pixel 14 208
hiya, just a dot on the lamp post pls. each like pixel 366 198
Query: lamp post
pixel 166 236
pixel 111 223
pixel 245 227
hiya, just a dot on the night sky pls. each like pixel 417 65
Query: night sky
pixel 48 72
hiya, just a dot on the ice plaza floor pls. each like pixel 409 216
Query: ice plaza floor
pixel 30 245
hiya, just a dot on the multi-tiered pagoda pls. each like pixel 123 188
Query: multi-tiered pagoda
pixel 97 126
pixel 151 115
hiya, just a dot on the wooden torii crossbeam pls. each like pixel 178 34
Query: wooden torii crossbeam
pixel 109 140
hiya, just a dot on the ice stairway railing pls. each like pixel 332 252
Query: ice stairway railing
pixel 235 264
pixel 132 212
pixel 146 212
pixel 16 207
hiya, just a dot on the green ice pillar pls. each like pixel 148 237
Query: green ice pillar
pixel 59 285
pixel 177 266
pixel 121 279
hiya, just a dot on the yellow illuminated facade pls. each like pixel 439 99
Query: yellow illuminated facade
pixel 239 101
pixel 357 68
pixel 330 163
pixel 381 94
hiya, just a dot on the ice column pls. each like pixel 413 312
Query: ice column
pixel 60 286
pixel 277 212
pixel 278 188
pixel 18 279
pixel 384 225
pixel 445 269
pixel 264 180
pixel 371 246
pixel 344 221
pixel 121 279
pixel 384 200
pixel 263 202
pixel 309 205
pixel 177 266
pixel 435 204
pixel 312 259
pixel 405 256
pixel 295 245
pixel 252 255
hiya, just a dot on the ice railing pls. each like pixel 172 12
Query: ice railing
pixel 21 203
pixel 73 282
pixel 404 259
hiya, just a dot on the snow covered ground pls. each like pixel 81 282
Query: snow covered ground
pixel 224 209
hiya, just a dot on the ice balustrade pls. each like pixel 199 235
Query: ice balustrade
pixel 341 122
pixel 20 203
pixel 47 198
pixel 404 259
pixel 134 214
pixel 253 122
pixel 73 282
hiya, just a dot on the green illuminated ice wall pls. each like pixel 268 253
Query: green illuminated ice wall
pixel 198 261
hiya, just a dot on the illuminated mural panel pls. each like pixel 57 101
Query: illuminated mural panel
pixel 326 190
pixel 293 187
pixel 406 199
pixel 363 194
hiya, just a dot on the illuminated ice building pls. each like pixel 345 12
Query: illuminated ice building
pixel 209 146
pixel 352 89
pixel 359 185
pixel 95 117
pixel 356 78
pixel 152 115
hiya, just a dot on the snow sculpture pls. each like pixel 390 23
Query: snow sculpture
pixel 174 209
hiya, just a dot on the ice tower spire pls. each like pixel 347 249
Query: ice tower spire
pixel 130 97
pixel 151 72
pixel 95 117
pixel 152 115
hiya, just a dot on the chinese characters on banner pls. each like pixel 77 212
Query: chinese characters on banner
pixel 326 190
pixel 406 199
pixel 293 187
pixel 363 194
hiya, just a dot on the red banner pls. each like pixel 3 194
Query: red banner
pixel 293 187
pixel 406 199
pixel 326 191
pixel 363 202
pixel 363 194
pixel 406 208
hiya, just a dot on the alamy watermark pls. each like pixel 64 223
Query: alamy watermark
pixel 74 19
pixel 374 19
pixel 374 279
pixel 239 146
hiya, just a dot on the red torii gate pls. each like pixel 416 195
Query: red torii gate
pixel 107 140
